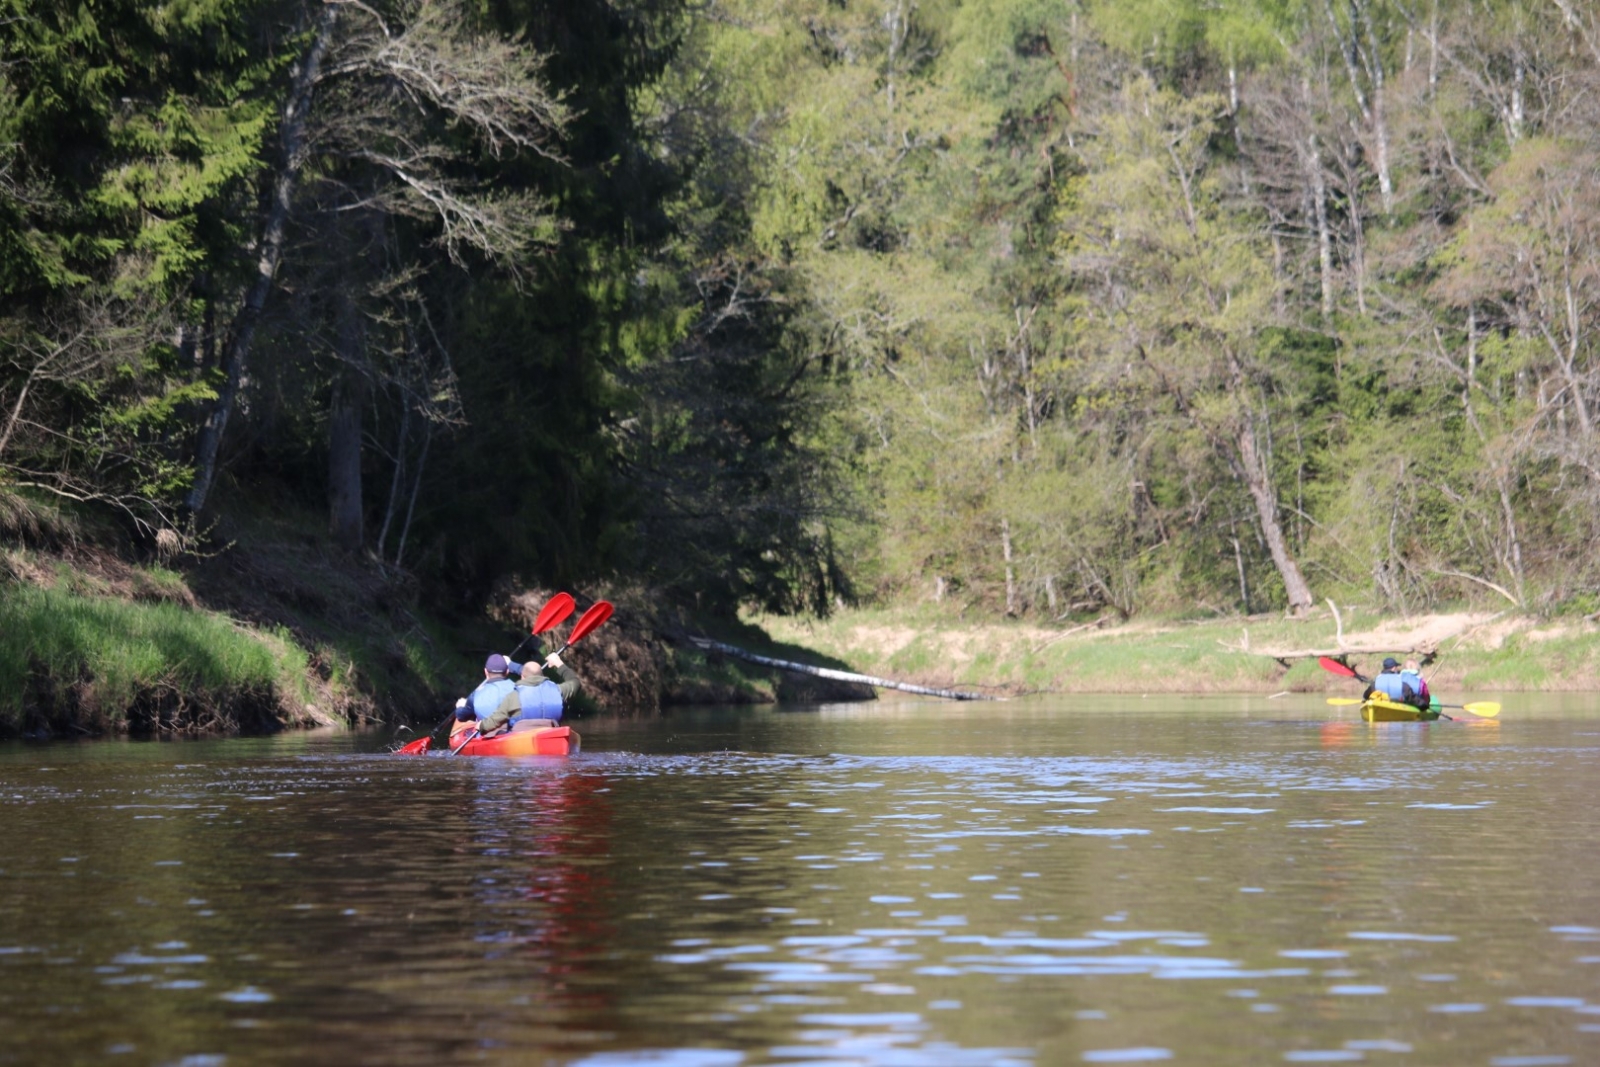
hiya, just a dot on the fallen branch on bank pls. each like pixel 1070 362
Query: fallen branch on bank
pixel 826 672
pixel 1424 651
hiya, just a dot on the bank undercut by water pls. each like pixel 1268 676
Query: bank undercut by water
pixel 84 664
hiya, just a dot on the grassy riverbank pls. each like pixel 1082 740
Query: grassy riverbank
pixel 276 629
pixel 272 627
pixel 270 630
pixel 97 663
pixel 1475 651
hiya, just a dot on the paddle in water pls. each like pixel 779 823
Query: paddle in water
pixel 553 614
pixel 597 614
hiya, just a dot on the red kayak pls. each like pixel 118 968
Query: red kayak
pixel 549 741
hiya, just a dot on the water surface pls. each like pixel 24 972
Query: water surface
pixel 1057 880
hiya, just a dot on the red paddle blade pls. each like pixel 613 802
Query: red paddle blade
pixel 593 617
pixel 419 747
pixel 554 613
pixel 1333 666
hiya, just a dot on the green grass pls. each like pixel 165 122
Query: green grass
pixel 1512 667
pixel 720 678
pixel 123 648
pixel 937 645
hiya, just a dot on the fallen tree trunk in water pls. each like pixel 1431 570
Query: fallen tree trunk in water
pixel 827 672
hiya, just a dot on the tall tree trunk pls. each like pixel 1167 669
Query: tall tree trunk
pixel 296 110
pixel 345 512
pixel 16 414
pixel 401 443
pixel 1511 554
pixel 1378 120
pixel 1258 479
pixel 416 491
pixel 1011 573
pixel 1238 562
pixel 1318 190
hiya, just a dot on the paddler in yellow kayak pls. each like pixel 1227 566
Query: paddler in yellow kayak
pixel 1402 686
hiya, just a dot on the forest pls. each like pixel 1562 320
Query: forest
pixel 1037 308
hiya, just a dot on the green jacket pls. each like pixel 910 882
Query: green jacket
pixel 512 703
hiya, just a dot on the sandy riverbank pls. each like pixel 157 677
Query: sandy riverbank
pixel 1470 650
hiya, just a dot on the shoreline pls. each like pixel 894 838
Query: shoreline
pixel 276 632
pixel 1471 651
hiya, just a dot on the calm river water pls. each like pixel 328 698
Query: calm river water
pixel 1050 881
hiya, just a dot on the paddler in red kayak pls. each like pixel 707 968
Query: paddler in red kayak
pixel 496 685
pixel 534 699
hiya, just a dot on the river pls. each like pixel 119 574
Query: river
pixel 1056 880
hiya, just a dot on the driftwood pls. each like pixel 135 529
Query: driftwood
pixel 838 676
pixel 1424 651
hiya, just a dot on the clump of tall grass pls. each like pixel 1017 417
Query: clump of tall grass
pixel 29 520
pixel 110 654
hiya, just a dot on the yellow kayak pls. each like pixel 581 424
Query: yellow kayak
pixel 1382 709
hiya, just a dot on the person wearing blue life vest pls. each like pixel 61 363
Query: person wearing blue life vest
pixel 535 698
pixel 495 687
pixel 1411 677
pixel 1396 685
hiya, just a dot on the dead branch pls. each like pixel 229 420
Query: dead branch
pixel 838 676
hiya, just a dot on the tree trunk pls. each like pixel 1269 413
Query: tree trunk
pixel 416 491
pixel 1378 120
pixel 1011 573
pixel 16 414
pixel 395 480
pixel 828 672
pixel 1244 582
pixel 345 512
pixel 1319 210
pixel 302 81
pixel 1259 481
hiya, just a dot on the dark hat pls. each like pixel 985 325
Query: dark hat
pixel 497 664
pixel 1390 663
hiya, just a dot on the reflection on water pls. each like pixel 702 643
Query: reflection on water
pixel 1209 882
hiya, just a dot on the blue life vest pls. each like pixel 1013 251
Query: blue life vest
pixel 1390 685
pixel 540 700
pixel 488 696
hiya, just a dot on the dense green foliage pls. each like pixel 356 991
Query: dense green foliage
pixel 1043 307
pixel 1236 305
